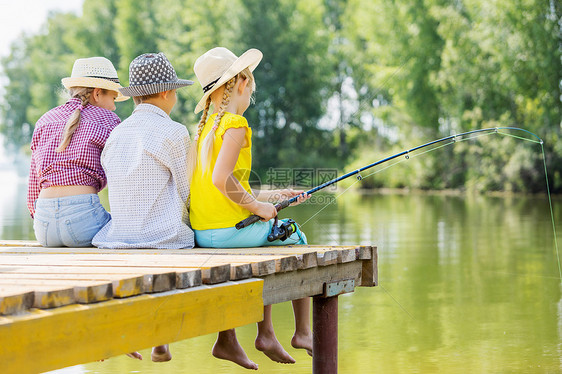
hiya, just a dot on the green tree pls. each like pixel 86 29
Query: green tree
pixel 292 82
pixel 501 67
pixel 384 76
pixel 94 33
pixel 15 125
pixel 191 28
pixel 34 70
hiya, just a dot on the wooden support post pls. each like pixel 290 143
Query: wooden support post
pixel 325 335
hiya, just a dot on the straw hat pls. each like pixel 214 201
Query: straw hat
pixel 94 72
pixel 151 73
pixel 218 66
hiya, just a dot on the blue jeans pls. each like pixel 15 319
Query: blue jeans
pixel 254 235
pixel 70 221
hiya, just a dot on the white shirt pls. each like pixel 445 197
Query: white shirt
pixel 146 163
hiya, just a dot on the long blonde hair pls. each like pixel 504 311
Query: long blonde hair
pixel 207 146
pixel 82 93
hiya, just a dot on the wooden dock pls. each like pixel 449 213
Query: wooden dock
pixel 94 304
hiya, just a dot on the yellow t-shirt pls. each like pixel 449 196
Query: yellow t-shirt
pixel 209 208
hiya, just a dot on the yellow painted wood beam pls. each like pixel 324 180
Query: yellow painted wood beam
pixel 44 340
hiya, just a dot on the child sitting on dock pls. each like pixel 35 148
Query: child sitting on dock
pixel 221 195
pixel 66 173
pixel 146 162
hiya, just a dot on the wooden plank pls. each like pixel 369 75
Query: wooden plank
pixel 182 280
pixel 211 256
pixel 363 252
pixel 214 270
pixel 13 247
pixel 19 243
pixel 159 282
pixel 132 283
pixel 288 263
pixel 75 276
pixel 242 266
pixel 259 251
pixel 119 282
pixel 327 258
pixel 188 278
pixel 12 302
pixel 240 271
pixel 44 297
pixel 185 277
pixel 281 287
pixel 138 260
pixel 261 268
pixel 370 273
pixel 92 332
pixel 307 260
pixel 215 274
pixel 346 255
pixel 93 293
pixel 126 282
pixel 85 291
pixel 108 260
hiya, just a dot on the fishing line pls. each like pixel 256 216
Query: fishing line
pixel 330 202
pixel 551 212
pixel 396 301
pixel 548 194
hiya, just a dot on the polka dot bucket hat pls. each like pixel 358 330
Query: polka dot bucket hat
pixel 151 73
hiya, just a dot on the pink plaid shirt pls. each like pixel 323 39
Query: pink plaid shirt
pixel 79 164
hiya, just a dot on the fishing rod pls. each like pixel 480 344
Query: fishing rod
pixel 282 205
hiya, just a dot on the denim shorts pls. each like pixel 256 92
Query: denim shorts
pixel 254 235
pixel 70 221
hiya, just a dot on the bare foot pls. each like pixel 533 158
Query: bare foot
pixel 227 348
pixel 301 341
pixel 136 355
pixel 161 353
pixel 271 347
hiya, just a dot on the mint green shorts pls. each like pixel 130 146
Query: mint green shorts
pixel 254 235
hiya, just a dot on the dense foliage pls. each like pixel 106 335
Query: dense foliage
pixel 343 82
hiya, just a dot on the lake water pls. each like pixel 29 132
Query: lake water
pixel 468 284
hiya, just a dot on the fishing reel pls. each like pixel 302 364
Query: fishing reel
pixel 283 231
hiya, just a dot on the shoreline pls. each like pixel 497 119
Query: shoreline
pixel 418 191
pixel 453 192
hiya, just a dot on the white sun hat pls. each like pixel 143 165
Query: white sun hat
pixel 218 65
pixel 94 72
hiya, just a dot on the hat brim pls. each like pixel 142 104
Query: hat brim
pixel 249 59
pixel 95 83
pixel 153 88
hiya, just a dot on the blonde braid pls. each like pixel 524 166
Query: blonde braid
pixel 207 147
pixel 83 93
pixel 192 159
pixel 203 120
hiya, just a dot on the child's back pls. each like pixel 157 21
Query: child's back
pixel 65 172
pixel 146 202
pixel 146 163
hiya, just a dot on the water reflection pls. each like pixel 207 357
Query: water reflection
pixel 467 284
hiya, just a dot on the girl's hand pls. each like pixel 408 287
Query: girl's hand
pixel 302 197
pixel 289 193
pixel 266 211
